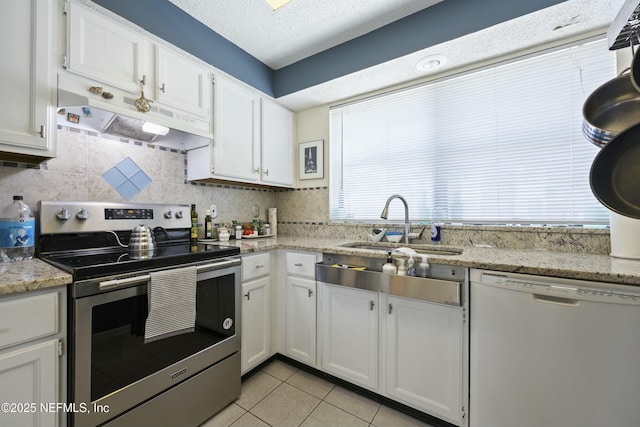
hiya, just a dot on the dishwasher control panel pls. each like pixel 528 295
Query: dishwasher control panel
pixel 567 289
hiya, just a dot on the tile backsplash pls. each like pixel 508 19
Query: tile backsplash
pixel 84 157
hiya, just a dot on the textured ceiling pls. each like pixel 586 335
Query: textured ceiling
pixel 300 28
pixel 303 28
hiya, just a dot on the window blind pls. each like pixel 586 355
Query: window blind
pixel 499 145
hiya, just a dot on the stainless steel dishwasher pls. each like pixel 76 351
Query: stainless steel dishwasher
pixel 548 352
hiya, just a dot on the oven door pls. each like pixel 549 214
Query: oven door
pixel 114 370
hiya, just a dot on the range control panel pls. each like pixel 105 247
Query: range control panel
pixel 128 213
pixel 56 217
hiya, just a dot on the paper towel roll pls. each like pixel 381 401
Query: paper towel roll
pixel 273 221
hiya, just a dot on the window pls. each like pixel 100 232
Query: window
pixel 499 145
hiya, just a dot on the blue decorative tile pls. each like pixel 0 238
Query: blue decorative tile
pixel 140 180
pixel 127 178
pixel 114 177
pixel 128 190
pixel 128 167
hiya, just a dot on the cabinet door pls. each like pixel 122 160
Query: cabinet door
pixel 30 377
pixel 182 83
pixel 424 356
pixel 349 326
pixel 256 327
pixel 277 144
pixel 236 151
pixel 103 50
pixel 301 319
pixel 27 122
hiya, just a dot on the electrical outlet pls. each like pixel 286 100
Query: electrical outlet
pixel 256 211
pixel 214 211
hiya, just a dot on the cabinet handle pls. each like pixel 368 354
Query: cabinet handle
pixel 259 266
pixel 390 308
pixel 256 170
pixel 43 131
pixel 248 296
pixel 371 305
pixel 310 293
pixel 144 80
pixel 298 264
pixel 162 88
pixel 266 172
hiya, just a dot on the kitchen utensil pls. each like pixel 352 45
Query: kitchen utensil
pixel 394 236
pixel 377 234
pixel 610 109
pixel 142 242
pixel 615 174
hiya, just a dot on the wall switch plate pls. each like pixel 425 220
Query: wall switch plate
pixel 214 211
pixel 256 211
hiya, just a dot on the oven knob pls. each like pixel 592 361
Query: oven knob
pixel 167 214
pixel 179 214
pixel 82 214
pixel 63 214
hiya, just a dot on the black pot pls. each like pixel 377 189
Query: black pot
pixel 610 109
pixel 615 173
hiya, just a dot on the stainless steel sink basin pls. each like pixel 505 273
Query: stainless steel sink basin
pixel 385 247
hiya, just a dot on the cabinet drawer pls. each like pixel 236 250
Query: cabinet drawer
pixel 254 266
pixel 301 264
pixel 28 318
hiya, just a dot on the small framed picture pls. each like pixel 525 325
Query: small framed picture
pixel 311 160
pixel 73 118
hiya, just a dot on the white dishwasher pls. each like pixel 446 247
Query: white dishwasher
pixel 550 352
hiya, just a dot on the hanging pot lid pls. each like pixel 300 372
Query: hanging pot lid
pixel 615 173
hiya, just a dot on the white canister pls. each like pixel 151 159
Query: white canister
pixel 223 234
pixel 273 221
pixel 625 236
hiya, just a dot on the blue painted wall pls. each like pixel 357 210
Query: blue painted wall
pixel 444 21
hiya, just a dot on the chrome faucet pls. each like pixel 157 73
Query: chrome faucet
pixel 385 214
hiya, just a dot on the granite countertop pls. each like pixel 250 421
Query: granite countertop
pixel 23 276
pixel 584 266
pixel 36 274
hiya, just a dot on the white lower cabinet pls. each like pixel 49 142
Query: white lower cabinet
pixel 300 301
pixel 424 356
pixel 348 325
pixel 408 350
pixel 300 335
pixel 256 302
pixel 30 379
pixel 32 364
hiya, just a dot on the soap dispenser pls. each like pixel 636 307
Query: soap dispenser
pixel 423 267
pixel 389 267
pixel 402 270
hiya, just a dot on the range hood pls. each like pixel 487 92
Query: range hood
pixel 114 113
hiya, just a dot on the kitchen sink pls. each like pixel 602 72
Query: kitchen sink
pixel 444 284
pixel 386 247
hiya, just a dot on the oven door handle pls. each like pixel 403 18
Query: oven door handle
pixel 218 265
pixel 108 284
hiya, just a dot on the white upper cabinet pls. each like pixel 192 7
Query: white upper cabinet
pixel 112 54
pixel 277 144
pixel 253 139
pixel 182 83
pixel 236 147
pixel 27 123
pixel 105 51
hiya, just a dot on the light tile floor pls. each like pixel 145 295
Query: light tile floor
pixel 282 395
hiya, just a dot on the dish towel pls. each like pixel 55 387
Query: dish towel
pixel 172 303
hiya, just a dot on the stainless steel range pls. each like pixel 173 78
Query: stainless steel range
pixel 154 334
